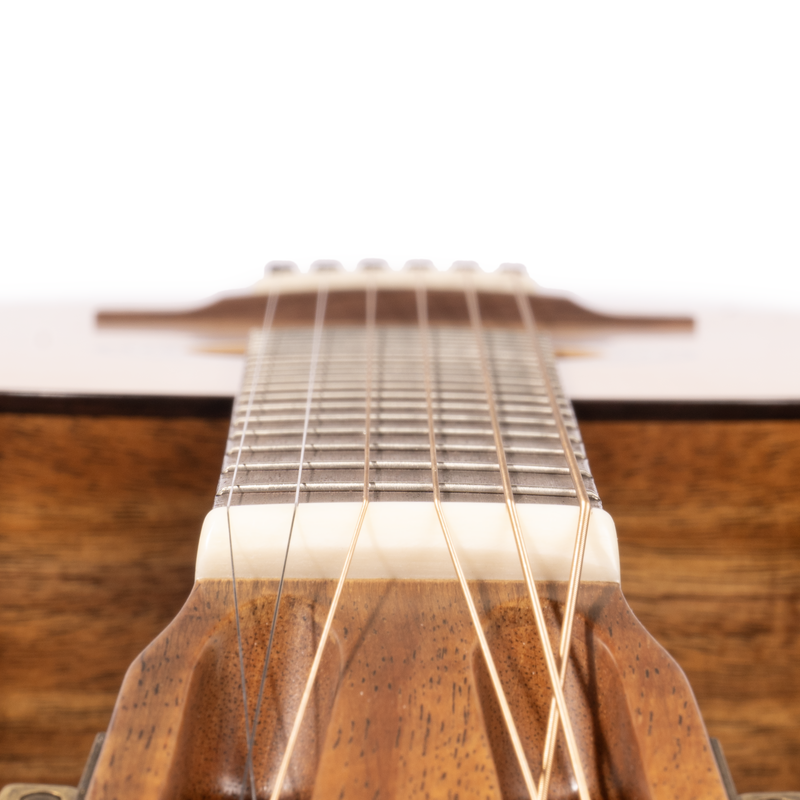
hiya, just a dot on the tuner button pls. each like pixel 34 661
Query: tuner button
pixel 280 267
pixel 465 266
pixel 372 265
pixel 326 265
pixel 419 265
pixel 517 269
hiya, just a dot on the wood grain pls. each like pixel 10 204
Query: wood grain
pixel 708 518
pixel 240 313
pixel 102 514
pixel 403 706
pixel 98 533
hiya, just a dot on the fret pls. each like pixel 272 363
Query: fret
pixel 351 394
pixel 409 388
pixel 394 405
pixel 388 429
pixel 394 417
pixel 404 486
pixel 325 447
pixel 444 465
pixel 409 401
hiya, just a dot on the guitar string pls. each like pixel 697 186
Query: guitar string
pixel 578 551
pixel 287 756
pixel 322 298
pixel 422 314
pixel 541 625
pixel 266 326
pixel 548 756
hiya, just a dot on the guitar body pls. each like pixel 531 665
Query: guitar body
pixel 402 706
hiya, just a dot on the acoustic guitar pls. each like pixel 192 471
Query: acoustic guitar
pixel 407 586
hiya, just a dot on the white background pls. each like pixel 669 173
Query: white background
pixel 157 150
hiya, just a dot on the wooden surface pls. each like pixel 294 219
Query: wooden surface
pixel 708 518
pixel 99 535
pixel 100 519
pixel 402 706
pixel 240 313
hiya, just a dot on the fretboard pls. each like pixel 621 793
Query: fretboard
pixel 288 381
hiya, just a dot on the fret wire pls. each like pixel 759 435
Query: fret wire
pixel 412 400
pixel 393 408
pixel 293 357
pixel 322 298
pixel 438 417
pixel 410 394
pixel 407 430
pixel 398 391
pixel 404 391
pixel 378 486
pixel 296 367
pixel 422 313
pixel 452 380
pixel 541 624
pixel 292 741
pixel 354 400
pixel 269 314
pixel 321 447
pixel 394 417
pixel 450 465
pixel 290 363
pixel 395 387
pixel 411 431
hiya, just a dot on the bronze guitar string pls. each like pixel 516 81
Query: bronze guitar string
pixel 295 732
pixel 316 403
pixel 516 742
pixel 322 297
pixel 552 669
pixel 576 567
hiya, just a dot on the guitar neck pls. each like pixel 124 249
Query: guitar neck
pixel 409 403
pixel 297 400
pixel 407 498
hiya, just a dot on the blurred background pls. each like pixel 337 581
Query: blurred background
pixel 640 154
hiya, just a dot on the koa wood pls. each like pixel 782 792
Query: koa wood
pixel 403 706
pixel 98 557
